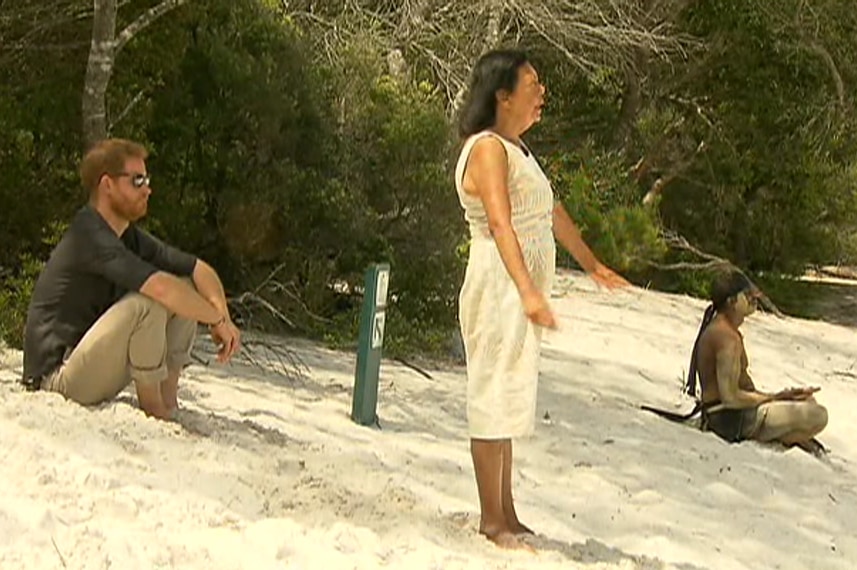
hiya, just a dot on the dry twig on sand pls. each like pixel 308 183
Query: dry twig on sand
pixel 265 354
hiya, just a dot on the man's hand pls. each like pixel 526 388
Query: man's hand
pixel 806 393
pixel 606 277
pixel 796 394
pixel 228 339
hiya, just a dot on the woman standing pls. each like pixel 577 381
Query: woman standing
pixel 503 308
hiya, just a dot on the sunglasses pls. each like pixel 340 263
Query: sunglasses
pixel 137 180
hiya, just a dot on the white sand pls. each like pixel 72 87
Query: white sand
pixel 266 473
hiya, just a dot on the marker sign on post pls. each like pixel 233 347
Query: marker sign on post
pixel 378 330
pixel 373 318
pixel 381 288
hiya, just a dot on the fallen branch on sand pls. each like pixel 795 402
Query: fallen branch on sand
pixel 414 367
pixel 838 272
pixel 247 299
pixel 263 353
pixel 845 373
pixel 62 558
pixel 266 355
pixel 711 262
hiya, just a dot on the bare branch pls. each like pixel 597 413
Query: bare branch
pixel 445 37
pixel 144 21
pixel 687 265
pixel 279 287
pixel 134 102
pixel 677 241
pixel 45 17
pixel 249 297
pixel 673 174
pixel 714 262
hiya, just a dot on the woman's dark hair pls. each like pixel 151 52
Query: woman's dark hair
pixel 725 286
pixel 495 70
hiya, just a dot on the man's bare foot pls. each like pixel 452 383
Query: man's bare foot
pixel 171 400
pixel 157 412
pixel 170 390
pixel 813 447
pixel 506 539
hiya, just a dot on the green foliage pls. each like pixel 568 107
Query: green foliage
pixel 773 189
pixel 596 191
pixel 15 298
pixel 18 283
pixel 412 219
pixel 273 158
pixel 393 198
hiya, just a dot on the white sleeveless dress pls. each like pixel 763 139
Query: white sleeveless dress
pixel 502 346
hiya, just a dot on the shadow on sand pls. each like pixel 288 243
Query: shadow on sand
pixel 595 552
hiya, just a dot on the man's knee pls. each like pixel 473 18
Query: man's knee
pixel 811 419
pixel 818 417
pixel 189 281
pixel 143 308
pixel 786 419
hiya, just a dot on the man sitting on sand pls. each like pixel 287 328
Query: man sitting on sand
pixel 114 304
pixel 732 407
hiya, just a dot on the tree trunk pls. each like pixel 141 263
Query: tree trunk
pixel 99 69
pixel 102 58
pixel 631 101
pixel 635 71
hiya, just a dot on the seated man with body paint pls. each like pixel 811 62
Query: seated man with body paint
pixel 731 405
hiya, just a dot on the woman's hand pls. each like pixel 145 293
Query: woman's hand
pixel 606 277
pixel 537 309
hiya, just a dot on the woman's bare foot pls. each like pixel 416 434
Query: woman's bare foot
pixel 508 541
pixel 518 527
pixel 505 538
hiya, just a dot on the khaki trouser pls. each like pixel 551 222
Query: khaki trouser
pixel 136 339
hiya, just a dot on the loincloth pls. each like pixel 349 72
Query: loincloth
pixel 732 425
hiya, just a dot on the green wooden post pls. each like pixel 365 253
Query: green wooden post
pixel 370 342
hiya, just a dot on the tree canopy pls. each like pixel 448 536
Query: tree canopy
pixel 294 143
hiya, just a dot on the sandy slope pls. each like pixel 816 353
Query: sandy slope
pixel 262 472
